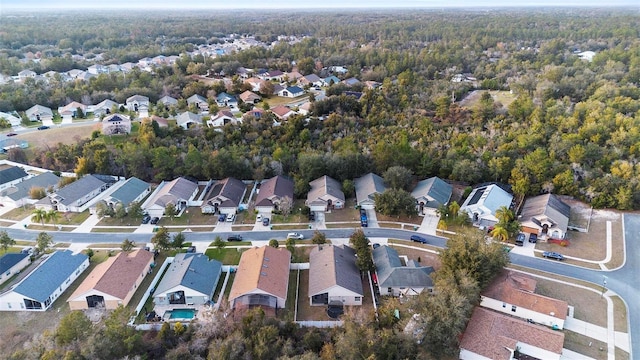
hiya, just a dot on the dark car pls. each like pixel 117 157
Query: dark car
pixel 376 245
pixel 553 255
pixel 43 127
pixel 222 217
pixel 520 239
pixel 191 249
pixel 533 238
pixel 155 220
pixel 146 219
pixel 312 216
pixel 11 134
pixel 265 221
pixel 417 238
pixel 234 238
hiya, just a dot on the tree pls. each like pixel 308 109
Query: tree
pixel 500 233
pixel 398 177
pixel 396 202
pixel 6 241
pixel 219 243
pixel 127 245
pixel 37 193
pixel 348 188
pixel 74 326
pixel 39 215
pixel 359 240
pixel 178 240
pixel 319 238
pixel 43 241
pixel 53 215
pixel 89 253
pixel 103 209
pixel 120 211
pixel 170 210
pixel 135 209
pixel 161 240
pixel 274 243
pixel 285 206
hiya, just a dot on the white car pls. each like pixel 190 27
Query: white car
pixel 231 217
pixel 294 235
pixel 259 218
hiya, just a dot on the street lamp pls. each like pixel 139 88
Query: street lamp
pixel 604 284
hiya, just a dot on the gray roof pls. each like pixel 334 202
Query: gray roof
pixel 391 273
pixel 138 98
pixel 21 189
pixel 79 188
pixel 547 205
pixel 279 186
pixel 130 190
pixel 331 265
pixel 176 190
pixel 38 109
pixel 433 188
pixel 168 100
pixel 50 275
pixel 228 192
pixel 10 260
pixel 325 186
pixel 367 186
pixel 195 98
pixel 11 174
pixel 194 271
pixel 187 117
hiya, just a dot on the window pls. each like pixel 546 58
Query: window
pixel 513 308
pixel 504 305
pixel 358 298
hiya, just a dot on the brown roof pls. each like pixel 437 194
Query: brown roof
pixel 117 275
pixel 281 111
pixel 490 333
pixel 277 186
pixel 264 268
pixel 249 96
pixel 518 289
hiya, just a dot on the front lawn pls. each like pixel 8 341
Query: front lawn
pixel 227 256
pixel 19 214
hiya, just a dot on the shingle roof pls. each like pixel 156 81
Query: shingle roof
pixel 228 192
pixel 187 117
pixel 281 110
pixel 264 268
pixel 391 273
pixel 7 261
pixel 194 271
pixel 38 109
pixel 279 186
pixel 168 100
pixel 249 96
pixel 130 190
pixel 79 188
pixel 138 98
pixel 50 275
pixel 367 186
pixel 177 189
pixel 434 188
pixel 325 186
pixel 548 206
pixel 490 334
pixel 195 98
pixel 21 189
pixel 294 89
pixel 331 265
pixel 117 275
pixel 12 173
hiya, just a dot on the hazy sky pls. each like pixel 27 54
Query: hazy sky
pixel 298 4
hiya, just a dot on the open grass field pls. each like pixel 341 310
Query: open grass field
pixel 504 98
pixel 66 135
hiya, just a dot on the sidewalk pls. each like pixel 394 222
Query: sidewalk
pixel 88 224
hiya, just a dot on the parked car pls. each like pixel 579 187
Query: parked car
pixel 418 238
pixel 295 235
pixel 27 250
pixel 146 219
pixel 553 255
pixel 155 220
pixel 222 217
pixel 312 216
pixel 376 245
pixel 234 238
pixel 259 218
pixel 533 238
pixel 11 134
pixel 520 239
pixel 265 221
pixel 231 217
pixel 43 127
pixel 191 249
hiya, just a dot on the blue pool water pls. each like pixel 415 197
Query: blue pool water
pixel 182 314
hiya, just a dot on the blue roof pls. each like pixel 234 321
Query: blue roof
pixel 50 275
pixel 294 89
pixel 11 174
pixel 330 79
pixel 224 96
pixel 391 273
pixel 497 198
pixel 10 260
pixel 194 271
pixel 130 190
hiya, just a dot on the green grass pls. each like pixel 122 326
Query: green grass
pixel 20 213
pixel 227 290
pixel 216 293
pixel 73 218
pixel 289 307
pixel 227 256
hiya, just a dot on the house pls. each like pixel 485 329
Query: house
pixel 397 280
pixel 18 193
pixel 432 193
pixel 162 122
pixel 586 55
pixel 97 69
pixel 243 73
pixel 113 282
pixel 282 112
pixel 178 192
pixel 74 196
pixel 116 124
pixel 70 111
pixel 545 215
pixel 328 81
pixel 514 294
pixel 276 75
pixel 224 196
pixel 25 74
pixel 75 73
pixel 325 194
pixel 137 103
pixel 11 118
pixel 262 279
pixel 41 287
pixel 133 189
pixel 277 88
pixel 482 203
pixel 190 281
pixel 257 113
pixel 12 263
pixel 188 120
pixel 223 99
pixel 222 118
pixel 367 187
pixel 333 276
pixel 10 176
pixel 168 102
pixel 256 84
pixel 105 107
pixel 490 335
pixel 39 113
pixel 200 102
pixel 250 97
pixel 305 108
pixel 369 84
pixel 311 80
pixel 338 69
pixel 292 76
pixel 291 92
pixel 351 81
pixel 273 192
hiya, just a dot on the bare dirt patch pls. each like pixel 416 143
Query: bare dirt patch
pixel 588 305
pixel 44 139
pixel 585 345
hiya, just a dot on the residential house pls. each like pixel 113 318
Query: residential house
pixel 514 294
pixel 70 111
pixel 490 335
pixel 12 263
pixel 351 81
pixel 104 107
pixel 256 83
pixel 74 197
pixel 250 97
pixel 273 192
pixel 482 203
pixel 223 99
pixel 169 102
pixel 257 113
pixel 224 196
pixel 311 80
pixel 41 287
pixel 369 84
pixel 243 73
pixel 282 112
pixel 262 279
pixel 188 120
pixel 276 75
pixel 113 282
pixel 162 122
pixel 328 81
pixel 334 276
pixel 305 108
pixel 545 215
pixel 397 280
pixel 222 118
pixel 132 190
pixel 338 69
pixel 40 113
pixel 97 69
pixel 200 102
pixel 11 175
pixel 137 103
pixel 75 73
pixel 116 124
pixel 18 194
pixel 26 74
pixel 190 281
pixel 367 187
pixel 432 193
pixel 291 92
pixel 277 88
pixel 11 118
pixel 325 194
pixel 292 76
pixel 586 55
pixel 178 192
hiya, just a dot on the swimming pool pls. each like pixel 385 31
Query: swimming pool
pixel 187 314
